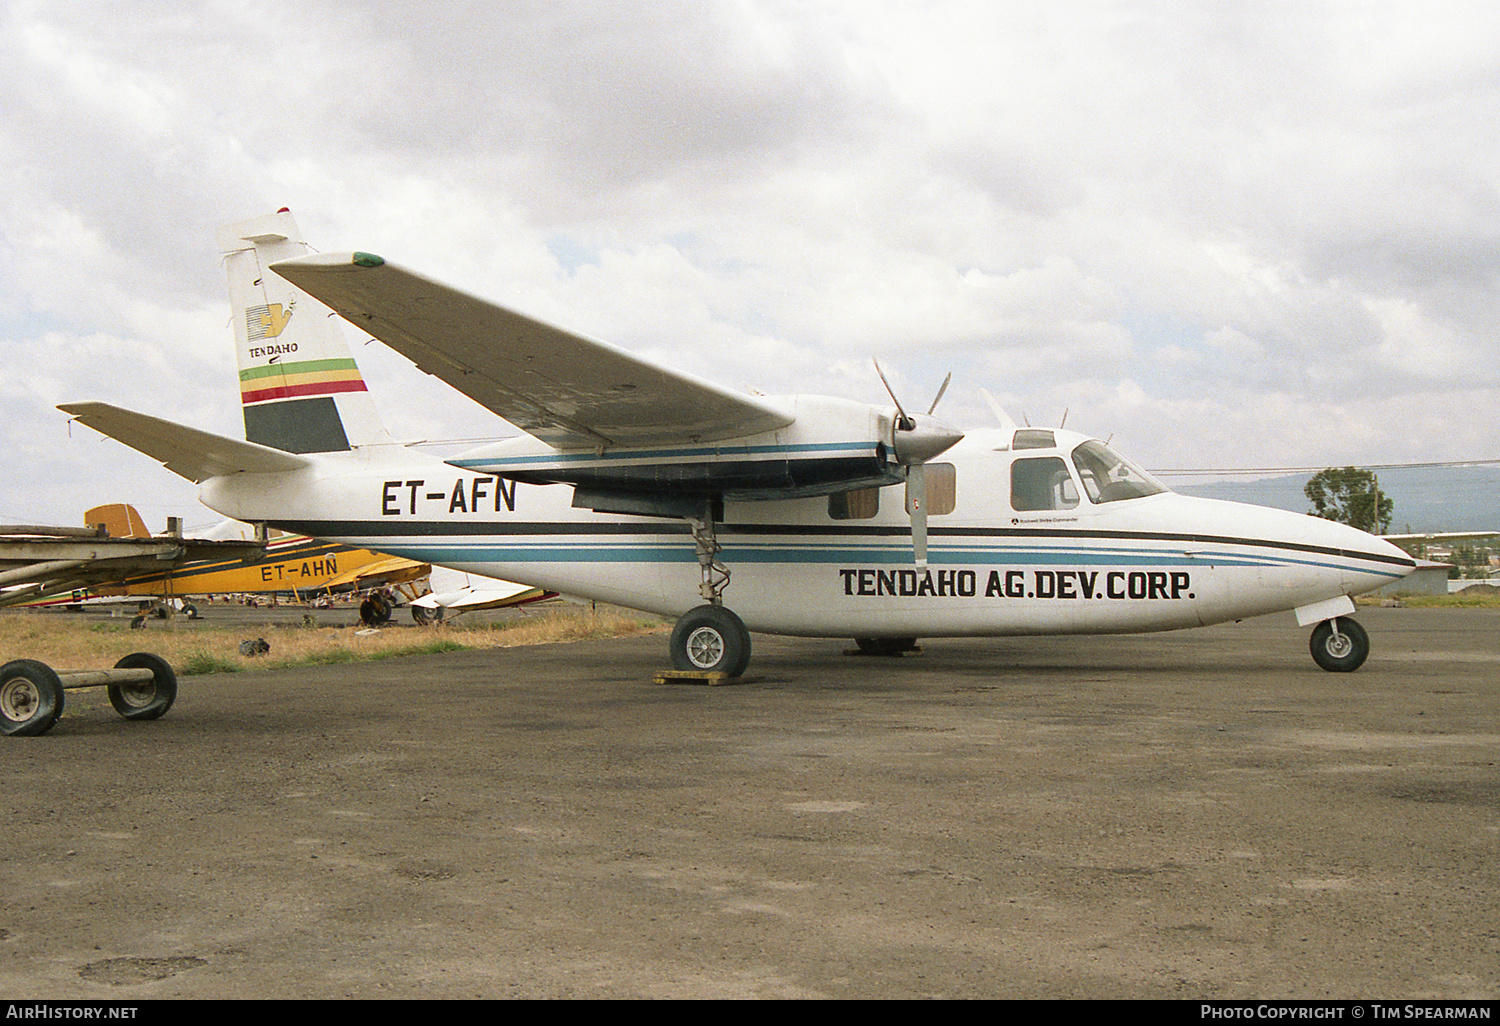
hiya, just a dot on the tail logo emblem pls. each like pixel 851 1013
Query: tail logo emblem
pixel 266 321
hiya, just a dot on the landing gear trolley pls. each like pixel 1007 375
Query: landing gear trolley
pixel 141 686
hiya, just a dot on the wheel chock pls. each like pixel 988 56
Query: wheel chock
pixel 712 678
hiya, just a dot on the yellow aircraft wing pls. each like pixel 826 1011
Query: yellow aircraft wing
pixel 386 570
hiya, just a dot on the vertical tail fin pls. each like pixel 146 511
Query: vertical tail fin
pixel 301 389
pixel 120 520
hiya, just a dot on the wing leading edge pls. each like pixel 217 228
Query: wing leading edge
pixel 567 390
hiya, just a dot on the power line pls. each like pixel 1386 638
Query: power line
pixel 1230 471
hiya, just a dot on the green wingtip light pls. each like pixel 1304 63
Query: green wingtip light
pixel 368 260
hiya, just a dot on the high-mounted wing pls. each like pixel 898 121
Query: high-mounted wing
pixel 567 390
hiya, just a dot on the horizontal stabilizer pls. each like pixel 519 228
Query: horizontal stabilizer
pixel 565 389
pixel 495 595
pixel 187 452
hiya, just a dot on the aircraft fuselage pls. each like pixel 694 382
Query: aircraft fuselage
pixel 1149 563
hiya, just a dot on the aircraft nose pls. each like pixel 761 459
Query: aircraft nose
pixel 1368 561
pixel 926 438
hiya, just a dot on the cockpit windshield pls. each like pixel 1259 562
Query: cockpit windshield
pixel 1109 477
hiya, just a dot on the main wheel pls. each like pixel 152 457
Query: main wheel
pixel 711 639
pixel 146 699
pixel 885 646
pixel 1339 645
pixel 31 698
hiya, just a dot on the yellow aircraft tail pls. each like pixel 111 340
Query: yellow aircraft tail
pixel 120 520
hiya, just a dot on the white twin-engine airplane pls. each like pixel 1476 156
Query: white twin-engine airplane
pixel 644 487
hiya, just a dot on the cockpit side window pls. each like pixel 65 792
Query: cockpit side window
pixel 1041 483
pixel 1109 477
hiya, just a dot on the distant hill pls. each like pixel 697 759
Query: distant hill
pixel 1426 498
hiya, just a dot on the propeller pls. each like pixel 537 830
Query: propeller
pixel 915 440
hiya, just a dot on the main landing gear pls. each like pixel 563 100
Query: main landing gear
pixel 1339 645
pixel 710 638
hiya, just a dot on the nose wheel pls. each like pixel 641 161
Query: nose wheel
pixel 1339 645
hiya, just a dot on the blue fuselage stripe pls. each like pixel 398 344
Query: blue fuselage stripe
pixel 642 547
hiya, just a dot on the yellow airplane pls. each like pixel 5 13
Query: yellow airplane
pixel 289 563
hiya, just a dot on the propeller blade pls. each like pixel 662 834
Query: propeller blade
pixel 916 508
pixel 905 423
pixel 939 397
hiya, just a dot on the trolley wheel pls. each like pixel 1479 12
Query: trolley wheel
pixel 146 699
pixel 31 698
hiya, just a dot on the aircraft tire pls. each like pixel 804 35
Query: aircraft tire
pixel 375 610
pixel 145 700
pixel 424 616
pixel 31 698
pixel 710 639
pixel 885 646
pixel 1339 645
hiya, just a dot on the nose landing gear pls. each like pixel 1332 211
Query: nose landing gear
pixel 1339 645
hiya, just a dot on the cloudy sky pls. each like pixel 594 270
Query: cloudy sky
pixel 1226 234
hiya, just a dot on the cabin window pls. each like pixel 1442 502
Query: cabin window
pixel 942 489
pixel 861 504
pixel 1109 477
pixel 1041 483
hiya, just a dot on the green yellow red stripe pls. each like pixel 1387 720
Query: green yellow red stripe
pixel 304 378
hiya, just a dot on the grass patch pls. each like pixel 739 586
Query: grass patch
pixel 1462 600
pixel 62 642
pixel 201 662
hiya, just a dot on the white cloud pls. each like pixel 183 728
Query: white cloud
pixel 1212 229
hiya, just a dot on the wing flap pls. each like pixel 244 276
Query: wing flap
pixel 187 452
pixel 565 389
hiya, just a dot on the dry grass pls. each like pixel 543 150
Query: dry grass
pixel 65 642
pixel 1471 598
